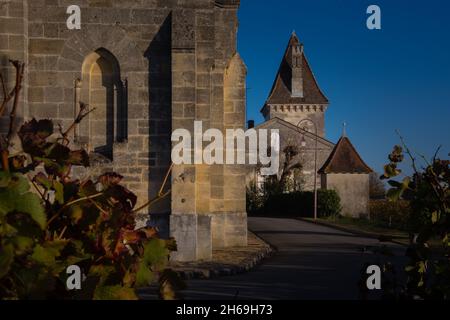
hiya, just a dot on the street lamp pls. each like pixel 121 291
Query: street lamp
pixel 303 144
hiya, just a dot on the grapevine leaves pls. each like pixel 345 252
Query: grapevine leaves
pixel 15 197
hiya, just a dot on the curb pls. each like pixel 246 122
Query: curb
pixel 371 235
pixel 216 269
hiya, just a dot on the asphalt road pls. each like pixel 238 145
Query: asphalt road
pixel 311 262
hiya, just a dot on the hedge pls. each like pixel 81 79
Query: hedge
pixel 299 204
pixel 390 214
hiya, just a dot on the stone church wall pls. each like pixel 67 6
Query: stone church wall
pixel 148 66
pixel 353 190
pixel 13 45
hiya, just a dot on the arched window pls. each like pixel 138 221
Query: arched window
pixel 103 90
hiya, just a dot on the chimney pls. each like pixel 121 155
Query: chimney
pixel 297 70
pixel 250 124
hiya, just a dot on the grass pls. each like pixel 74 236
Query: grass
pixel 375 230
pixel 365 226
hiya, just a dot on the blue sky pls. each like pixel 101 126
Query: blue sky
pixel 379 81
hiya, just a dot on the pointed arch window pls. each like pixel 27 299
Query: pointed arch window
pixel 104 90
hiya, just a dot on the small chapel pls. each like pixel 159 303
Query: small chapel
pixel 296 106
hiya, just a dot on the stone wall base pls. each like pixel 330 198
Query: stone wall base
pixel 193 236
pixel 198 235
pixel 229 230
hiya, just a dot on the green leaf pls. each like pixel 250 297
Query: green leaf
pixel 144 275
pixel 405 183
pixel 394 194
pixel 17 198
pixel 156 254
pixel 422 267
pixel 391 171
pixel 446 240
pixel 47 254
pixel 435 216
pixel 409 268
pixel 59 192
pixel 114 293
pixel 8 230
pixel 103 272
pixel 43 180
pixel 19 183
pixel 5 178
pixel 76 214
pixel 31 204
pixel 6 259
pixel 23 244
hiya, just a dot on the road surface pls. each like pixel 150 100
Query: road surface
pixel 311 262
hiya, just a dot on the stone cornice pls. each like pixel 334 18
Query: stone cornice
pixel 294 108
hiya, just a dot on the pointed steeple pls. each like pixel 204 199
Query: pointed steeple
pixel 295 82
pixel 344 129
pixel 297 69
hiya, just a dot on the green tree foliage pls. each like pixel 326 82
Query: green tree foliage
pixel 289 179
pixel 390 214
pixel 297 204
pixel 50 221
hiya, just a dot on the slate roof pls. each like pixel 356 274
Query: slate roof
pixel 281 92
pixel 345 159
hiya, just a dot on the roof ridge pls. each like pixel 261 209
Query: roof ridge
pixel 339 162
pixel 281 91
pixel 287 123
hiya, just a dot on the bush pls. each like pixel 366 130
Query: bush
pixel 388 214
pixel 428 193
pixel 299 204
pixel 50 220
pixel 329 203
pixel 255 199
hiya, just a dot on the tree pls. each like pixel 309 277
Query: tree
pixel 377 189
pixel 289 178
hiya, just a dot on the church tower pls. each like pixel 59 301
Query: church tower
pixel 295 94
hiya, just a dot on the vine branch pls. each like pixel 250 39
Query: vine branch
pixel 161 194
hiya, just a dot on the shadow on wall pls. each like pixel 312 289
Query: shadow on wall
pixel 5 71
pixel 159 59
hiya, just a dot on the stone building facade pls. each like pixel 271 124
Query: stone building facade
pixel 148 67
pixel 296 106
pixel 347 173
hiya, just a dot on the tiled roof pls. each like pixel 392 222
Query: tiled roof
pixel 281 92
pixel 345 159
